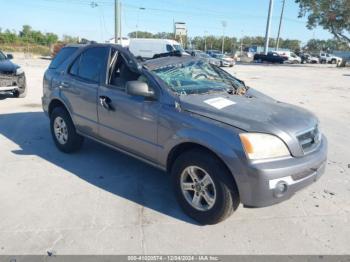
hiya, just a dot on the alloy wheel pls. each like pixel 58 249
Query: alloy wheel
pixel 60 130
pixel 198 188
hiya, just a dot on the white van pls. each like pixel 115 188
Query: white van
pixel 148 47
pixel 292 57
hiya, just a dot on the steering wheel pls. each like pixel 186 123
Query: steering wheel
pixel 200 75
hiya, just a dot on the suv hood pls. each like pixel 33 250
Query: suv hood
pixel 7 66
pixel 252 114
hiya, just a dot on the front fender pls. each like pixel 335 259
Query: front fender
pixel 225 145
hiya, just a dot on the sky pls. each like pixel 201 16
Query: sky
pixel 94 19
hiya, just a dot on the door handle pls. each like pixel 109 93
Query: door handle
pixel 63 85
pixel 106 103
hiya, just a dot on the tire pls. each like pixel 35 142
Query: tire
pixel 60 121
pixel 221 187
pixel 334 61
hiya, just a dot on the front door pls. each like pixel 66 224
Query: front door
pixel 128 122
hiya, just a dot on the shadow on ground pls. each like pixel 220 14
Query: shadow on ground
pixel 103 167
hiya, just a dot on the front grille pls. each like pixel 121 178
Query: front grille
pixel 7 80
pixel 309 140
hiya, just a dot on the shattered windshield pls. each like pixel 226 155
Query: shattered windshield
pixel 196 77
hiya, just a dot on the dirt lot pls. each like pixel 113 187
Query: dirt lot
pixel 102 202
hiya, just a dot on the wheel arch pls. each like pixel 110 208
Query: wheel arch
pixel 179 149
pixel 56 103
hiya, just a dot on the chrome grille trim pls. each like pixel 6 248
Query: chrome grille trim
pixel 309 139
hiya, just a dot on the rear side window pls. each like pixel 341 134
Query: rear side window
pixel 90 64
pixel 75 67
pixel 62 56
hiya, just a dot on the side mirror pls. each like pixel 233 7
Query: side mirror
pixel 139 88
pixel 9 56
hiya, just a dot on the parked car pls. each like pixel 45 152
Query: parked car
pixel 291 57
pixel 271 57
pixel 147 48
pixel 12 77
pixel 308 58
pixel 211 52
pixel 205 56
pixel 222 142
pixel 329 59
pixel 224 60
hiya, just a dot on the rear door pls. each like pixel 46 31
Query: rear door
pixel 79 87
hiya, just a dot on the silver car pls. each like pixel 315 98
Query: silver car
pixel 222 142
pixel 224 60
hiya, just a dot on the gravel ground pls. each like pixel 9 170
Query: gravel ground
pixel 102 202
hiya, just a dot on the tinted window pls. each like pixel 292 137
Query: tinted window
pixel 92 63
pixel 62 56
pixel 75 67
pixel 169 48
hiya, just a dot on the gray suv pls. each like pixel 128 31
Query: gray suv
pixel 222 142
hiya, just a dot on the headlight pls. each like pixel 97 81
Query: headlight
pixel 262 146
pixel 19 71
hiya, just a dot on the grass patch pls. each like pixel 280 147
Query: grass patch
pixel 34 49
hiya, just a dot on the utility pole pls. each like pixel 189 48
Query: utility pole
pixel 138 19
pixel 116 26
pixel 268 24
pixel 117 20
pixel 120 23
pixel 241 53
pixel 224 24
pixel 205 41
pixel 280 25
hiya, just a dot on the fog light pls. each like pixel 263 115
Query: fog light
pixel 281 188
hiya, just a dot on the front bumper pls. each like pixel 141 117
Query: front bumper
pixel 9 83
pixel 268 183
pixel 8 88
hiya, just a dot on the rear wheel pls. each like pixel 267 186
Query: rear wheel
pixel 63 131
pixel 203 187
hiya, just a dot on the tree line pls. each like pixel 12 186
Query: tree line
pixel 232 44
pixel 28 36
pixel 215 42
